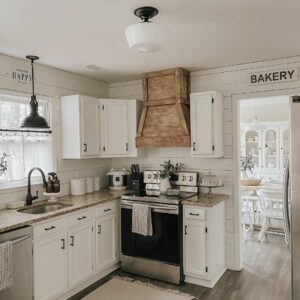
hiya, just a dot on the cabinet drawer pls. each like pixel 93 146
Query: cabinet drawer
pixel 106 209
pixel 195 213
pixel 48 227
pixel 80 217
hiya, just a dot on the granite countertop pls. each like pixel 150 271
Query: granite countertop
pixel 202 200
pixel 11 218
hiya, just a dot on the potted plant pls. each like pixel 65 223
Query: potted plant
pixel 168 171
pixel 247 165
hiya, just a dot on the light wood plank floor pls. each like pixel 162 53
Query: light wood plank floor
pixel 266 275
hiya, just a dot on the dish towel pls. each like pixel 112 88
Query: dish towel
pixel 141 219
pixel 6 276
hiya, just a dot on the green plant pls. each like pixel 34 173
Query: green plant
pixel 4 158
pixel 168 169
pixel 248 163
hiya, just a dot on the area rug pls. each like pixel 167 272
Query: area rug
pixel 124 288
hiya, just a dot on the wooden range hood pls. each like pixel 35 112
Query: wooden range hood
pixel 165 119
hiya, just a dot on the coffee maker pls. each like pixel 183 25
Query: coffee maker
pixel 136 179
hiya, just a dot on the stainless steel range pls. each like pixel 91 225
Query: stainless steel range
pixel 158 256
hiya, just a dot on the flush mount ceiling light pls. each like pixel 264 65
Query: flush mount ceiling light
pixel 145 36
pixel 34 120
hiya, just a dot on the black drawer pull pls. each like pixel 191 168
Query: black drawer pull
pixel 50 228
pixel 108 209
pixel 72 240
pixel 185 229
pixel 99 229
pixel 81 218
pixel 192 214
pixel 63 244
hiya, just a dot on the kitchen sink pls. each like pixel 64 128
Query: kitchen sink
pixel 43 208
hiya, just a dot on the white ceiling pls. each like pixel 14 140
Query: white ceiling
pixel 70 34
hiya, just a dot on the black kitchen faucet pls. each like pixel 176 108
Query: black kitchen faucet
pixel 29 197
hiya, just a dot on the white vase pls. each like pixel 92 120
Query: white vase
pixel 164 185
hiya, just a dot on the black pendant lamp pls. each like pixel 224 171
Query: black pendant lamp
pixel 34 120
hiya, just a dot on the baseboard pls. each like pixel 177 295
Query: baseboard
pixel 87 283
pixel 210 283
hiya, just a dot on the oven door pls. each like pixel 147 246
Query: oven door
pixel 164 245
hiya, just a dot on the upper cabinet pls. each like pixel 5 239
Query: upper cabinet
pixel 118 123
pixel 93 128
pixel 207 124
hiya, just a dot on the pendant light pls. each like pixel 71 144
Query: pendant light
pixel 255 125
pixel 34 120
pixel 145 36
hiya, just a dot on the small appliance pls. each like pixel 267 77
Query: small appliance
pixel 117 178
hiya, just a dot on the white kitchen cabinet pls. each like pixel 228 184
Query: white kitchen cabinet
pixel 118 123
pixel 80 253
pixel 270 147
pixel 195 243
pixel 93 128
pixel 204 243
pixel 69 254
pixel 50 266
pixel 79 127
pixel 207 124
pixel 106 251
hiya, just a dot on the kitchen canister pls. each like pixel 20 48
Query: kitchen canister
pixel 89 185
pixel 96 184
pixel 77 186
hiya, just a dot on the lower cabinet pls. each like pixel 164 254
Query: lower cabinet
pixel 204 244
pixel 195 245
pixel 50 266
pixel 81 251
pixel 70 250
pixel 106 251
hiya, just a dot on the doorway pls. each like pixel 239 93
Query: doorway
pixel 262 153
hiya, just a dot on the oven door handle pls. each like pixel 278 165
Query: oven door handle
pixel 154 206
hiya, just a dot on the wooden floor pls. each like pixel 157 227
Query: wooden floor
pixel 266 275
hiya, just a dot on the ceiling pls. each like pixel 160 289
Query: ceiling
pixel 200 34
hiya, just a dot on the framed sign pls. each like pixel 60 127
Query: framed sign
pixel 21 76
pixel 273 76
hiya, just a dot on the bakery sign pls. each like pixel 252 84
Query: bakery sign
pixel 273 76
pixel 21 76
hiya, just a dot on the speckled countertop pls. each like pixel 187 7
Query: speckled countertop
pixel 203 201
pixel 11 218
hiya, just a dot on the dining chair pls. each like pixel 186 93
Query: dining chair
pixel 247 211
pixel 271 203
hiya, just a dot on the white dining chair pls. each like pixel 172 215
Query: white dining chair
pixel 247 212
pixel 271 203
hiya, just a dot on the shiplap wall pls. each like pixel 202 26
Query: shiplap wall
pixel 231 82
pixel 54 83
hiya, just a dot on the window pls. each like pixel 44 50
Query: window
pixel 21 150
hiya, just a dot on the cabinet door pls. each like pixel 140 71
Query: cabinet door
pixel 90 125
pixel 115 128
pixel 202 125
pixel 106 242
pixel 195 248
pixel 81 252
pixel 50 267
pixel 284 146
pixel 271 149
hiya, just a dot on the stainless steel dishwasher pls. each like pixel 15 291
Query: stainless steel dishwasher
pixel 21 263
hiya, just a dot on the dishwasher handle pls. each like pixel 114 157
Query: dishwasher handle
pixel 19 239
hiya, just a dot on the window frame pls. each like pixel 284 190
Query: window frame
pixel 51 107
